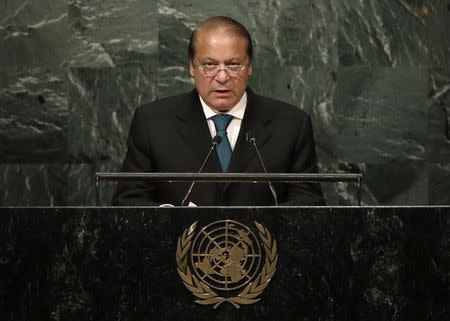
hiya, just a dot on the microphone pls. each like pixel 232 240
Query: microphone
pixel 252 141
pixel 215 142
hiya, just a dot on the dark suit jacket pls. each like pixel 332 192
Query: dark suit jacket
pixel 172 135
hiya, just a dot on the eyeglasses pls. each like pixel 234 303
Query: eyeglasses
pixel 210 69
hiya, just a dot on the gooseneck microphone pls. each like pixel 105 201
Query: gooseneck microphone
pixel 215 142
pixel 272 189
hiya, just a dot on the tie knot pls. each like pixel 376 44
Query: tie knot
pixel 221 121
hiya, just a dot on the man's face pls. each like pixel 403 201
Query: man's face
pixel 221 92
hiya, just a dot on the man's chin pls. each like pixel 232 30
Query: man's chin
pixel 220 104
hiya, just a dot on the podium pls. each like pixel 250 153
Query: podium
pixel 332 263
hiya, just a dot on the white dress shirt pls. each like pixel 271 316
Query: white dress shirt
pixel 235 125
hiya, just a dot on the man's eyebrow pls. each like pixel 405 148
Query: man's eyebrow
pixel 233 59
pixel 209 59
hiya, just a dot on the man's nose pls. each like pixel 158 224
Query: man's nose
pixel 222 76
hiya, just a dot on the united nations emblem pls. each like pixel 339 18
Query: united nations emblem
pixel 224 262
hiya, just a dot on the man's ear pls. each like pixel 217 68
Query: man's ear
pixel 250 69
pixel 191 68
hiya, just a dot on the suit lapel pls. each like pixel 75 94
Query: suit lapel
pixel 256 124
pixel 194 130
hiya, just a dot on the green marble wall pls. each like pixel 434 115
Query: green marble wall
pixel 374 75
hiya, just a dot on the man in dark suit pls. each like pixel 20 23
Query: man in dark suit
pixel 174 134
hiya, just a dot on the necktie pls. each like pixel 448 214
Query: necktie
pixel 223 149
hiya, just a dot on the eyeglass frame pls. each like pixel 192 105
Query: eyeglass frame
pixel 219 69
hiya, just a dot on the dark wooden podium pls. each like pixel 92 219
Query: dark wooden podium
pixel 333 263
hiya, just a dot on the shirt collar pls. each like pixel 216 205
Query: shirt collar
pixel 237 111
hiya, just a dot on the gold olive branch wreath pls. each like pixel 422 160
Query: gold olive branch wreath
pixel 205 295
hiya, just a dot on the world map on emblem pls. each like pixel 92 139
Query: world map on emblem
pixel 226 255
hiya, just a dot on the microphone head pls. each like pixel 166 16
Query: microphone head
pixel 217 139
pixel 249 138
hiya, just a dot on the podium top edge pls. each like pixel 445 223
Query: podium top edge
pixel 230 177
